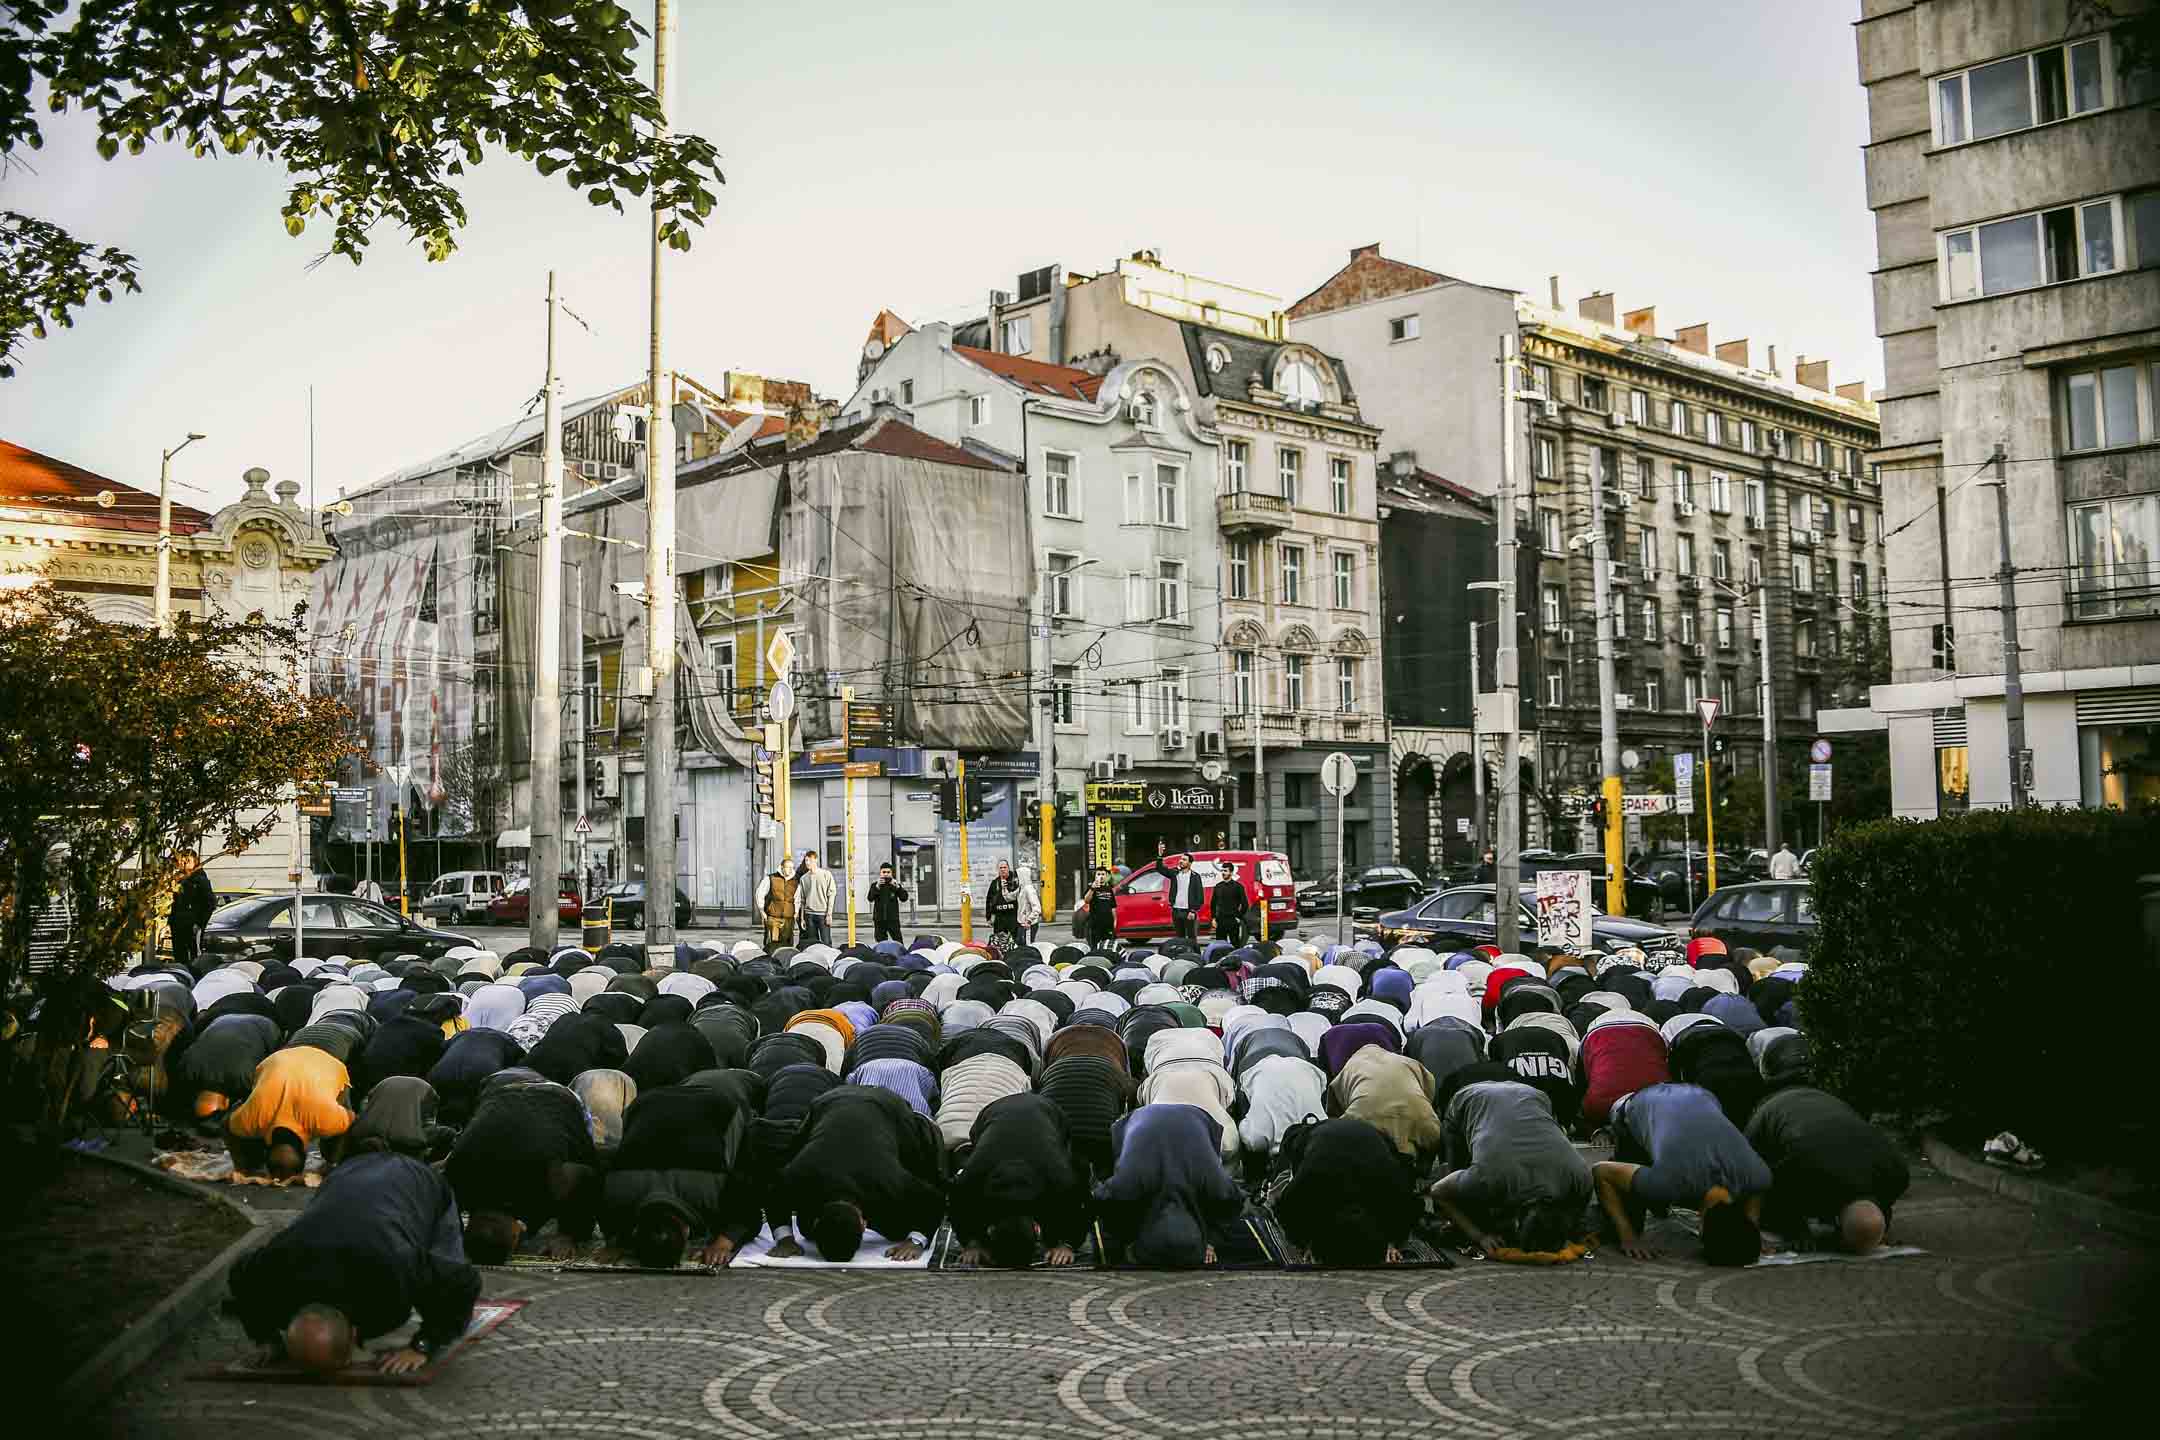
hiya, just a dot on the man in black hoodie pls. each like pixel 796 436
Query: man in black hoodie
pixel 379 1241
pixel 527 1158
pixel 1229 902
pixel 886 894
pixel 191 909
pixel 1167 1187
pixel 681 1171
pixel 863 1160
pixel 1020 1188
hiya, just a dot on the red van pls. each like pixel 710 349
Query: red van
pixel 1143 897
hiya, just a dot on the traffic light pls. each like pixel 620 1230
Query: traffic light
pixel 948 799
pixel 978 799
pixel 1598 817
pixel 1031 819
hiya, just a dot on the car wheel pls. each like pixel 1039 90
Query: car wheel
pixel 456 916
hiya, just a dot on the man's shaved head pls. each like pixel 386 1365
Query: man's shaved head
pixel 1860 1227
pixel 319 1339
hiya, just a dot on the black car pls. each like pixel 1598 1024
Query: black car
pixel 1670 868
pixel 1461 918
pixel 628 902
pixel 329 925
pixel 1768 915
pixel 1644 897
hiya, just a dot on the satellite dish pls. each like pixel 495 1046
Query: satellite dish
pixel 873 349
pixel 743 432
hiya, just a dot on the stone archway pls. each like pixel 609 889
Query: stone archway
pixel 1460 845
pixel 1415 786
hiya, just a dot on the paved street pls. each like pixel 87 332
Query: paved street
pixel 2013 1323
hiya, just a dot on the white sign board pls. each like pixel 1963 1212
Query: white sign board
pixel 1462 824
pixel 1338 774
pixel 1683 774
pixel 1818 783
pixel 1563 908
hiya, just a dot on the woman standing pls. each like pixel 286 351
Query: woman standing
pixel 1031 913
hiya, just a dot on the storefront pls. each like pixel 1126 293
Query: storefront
pixel 1133 822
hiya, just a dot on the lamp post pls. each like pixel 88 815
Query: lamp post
pixel 1046 742
pixel 164 533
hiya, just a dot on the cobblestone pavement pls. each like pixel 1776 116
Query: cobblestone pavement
pixel 2014 1323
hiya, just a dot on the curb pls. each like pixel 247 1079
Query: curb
pixel 2040 1194
pixel 91 1383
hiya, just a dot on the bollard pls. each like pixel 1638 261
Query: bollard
pixel 599 932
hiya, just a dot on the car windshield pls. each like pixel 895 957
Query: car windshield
pixel 373 917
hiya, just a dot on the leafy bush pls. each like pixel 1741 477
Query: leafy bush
pixel 1978 972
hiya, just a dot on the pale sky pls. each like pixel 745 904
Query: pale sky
pixel 1698 155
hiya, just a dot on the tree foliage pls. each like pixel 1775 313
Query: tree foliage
pixel 46 276
pixel 375 108
pixel 125 747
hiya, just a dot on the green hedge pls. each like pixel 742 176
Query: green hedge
pixel 1987 972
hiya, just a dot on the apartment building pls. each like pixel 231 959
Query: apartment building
pixel 2013 169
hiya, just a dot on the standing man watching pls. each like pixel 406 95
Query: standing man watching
pixel 814 899
pixel 886 894
pixel 1003 904
pixel 191 909
pixel 1784 865
pixel 1187 892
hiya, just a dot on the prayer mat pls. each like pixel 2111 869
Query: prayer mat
pixel 1243 1244
pixel 598 1256
pixel 213 1167
pixel 946 1249
pixel 487 1314
pixel 1812 1257
pixel 871 1256
pixel 1421 1253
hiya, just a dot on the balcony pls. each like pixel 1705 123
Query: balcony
pixel 1803 600
pixel 1807 664
pixel 1286 728
pixel 1249 512
pixel 1277 727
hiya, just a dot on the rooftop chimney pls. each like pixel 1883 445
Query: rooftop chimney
pixel 1733 352
pixel 1640 322
pixel 1363 250
pixel 1402 463
pixel 1693 337
pixel 804 424
pixel 1554 283
pixel 1856 391
pixel 1773 360
pixel 1597 305
pixel 1815 374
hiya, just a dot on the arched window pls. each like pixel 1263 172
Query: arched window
pixel 1298 379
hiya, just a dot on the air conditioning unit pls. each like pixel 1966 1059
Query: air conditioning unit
pixel 1618 419
pixel 1211 742
pixel 1122 760
pixel 1173 737
pixel 1687 507
pixel 879 394
pixel 1567 635
pixel 1694 652
pixel 1551 409
pixel 590 469
pixel 1623 701
pixel 1754 522
pixel 1626 500
pixel 1815 537
pixel 1102 770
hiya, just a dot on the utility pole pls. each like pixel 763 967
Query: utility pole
pixel 579 720
pixel 1769 717
pixel 1507 861
pixel 660 577
pixel 2013 686
pixel 1046 764
pixel 1942 549
pixel 163 592
pixel 1259 747
pixel 1477 756
pixel 541 918
pixel 1608 701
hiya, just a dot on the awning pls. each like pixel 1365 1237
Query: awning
pixel 515 839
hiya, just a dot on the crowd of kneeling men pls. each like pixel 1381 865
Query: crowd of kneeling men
pixel 474 1106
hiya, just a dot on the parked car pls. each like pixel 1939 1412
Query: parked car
pixel 1463 917
pixel 1644 896
pixel 628 900
pixel 329 924
pixel 1669 868
pixel 461 894
pixel 514 905
pixel 1143 897
pixel 1765 915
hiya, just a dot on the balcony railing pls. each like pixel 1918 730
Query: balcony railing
pixel 1246 510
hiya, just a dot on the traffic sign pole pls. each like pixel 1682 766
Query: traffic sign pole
pixel 1338 776
pixel 967 900
pixel 847 808
pixel 1709 711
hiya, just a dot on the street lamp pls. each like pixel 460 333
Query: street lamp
pixel 164 534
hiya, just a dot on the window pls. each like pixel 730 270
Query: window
pixel 1136 499
pixel 978 410
pixel 723 666
pixel 2101 407
pixel 2141 227
pixel 1297 791
pixel 1853 526
pixel 1645 477
pixel 1684 554
pixel 1299 382
pixel 1605 465
pixel 1852 461
pixel 907 392
pixel 1064 584
pixel 1169 494
pixel 1829 576
pixel 1780 443
pixel 1751 499
pixel 1170 699
pixel 1549 530
pixel 2026 90
pixel 1241 554
pixel 1139 598
pixel 1803 574
pixel 1057 484
pixel 1652 691
pixel 1714 427
pixel 1859 583
pixel 1237 455
pixel 1293 675
pixel 1170 591
pixel 1646 551
pixel 1619 619
pixel 1544 458
pixel 1346 668
pixel 1677 416
pixel 1552 604
pixel 589 694
pixel 1293 575
pixel 1639 406
pixel 1338 467
pixel 1796 512
pixel 1064 684
pixel 1721 559
pixel 1136 708
pixel 1690 687
pixel 1289 470
pixel 1019 335
pixel 1720 493
pixel 1651 628
pixel 1541 377
pixel 1345 580
pixel 1722 619
pixel 1748 436
pixel 1690 627
pixel 1803 637
pixel 1243 672
pixel 1403 327
pixel 1754 565
pixel 2044 248
pixel 1556 687
pixel 1593 393
pixel 2115 552
pixel 1683 484
pixel 1725 689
